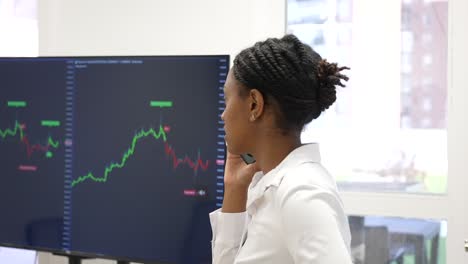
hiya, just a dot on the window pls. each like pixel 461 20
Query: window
pixel 375 137
pixel 18 28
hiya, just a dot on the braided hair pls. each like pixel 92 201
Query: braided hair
pixel 292 75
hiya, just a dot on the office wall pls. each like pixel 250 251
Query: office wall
pixel 153 27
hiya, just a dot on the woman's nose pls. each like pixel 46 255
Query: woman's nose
pixel 222 115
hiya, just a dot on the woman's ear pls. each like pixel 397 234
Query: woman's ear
pixel 257 104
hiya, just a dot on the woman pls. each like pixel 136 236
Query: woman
pixel 284 208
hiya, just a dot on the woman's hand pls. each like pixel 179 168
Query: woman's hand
pixel 237 174
pixel 237 178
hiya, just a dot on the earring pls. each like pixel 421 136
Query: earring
pixel 252 118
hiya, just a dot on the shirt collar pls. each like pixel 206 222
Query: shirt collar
pixel 261 182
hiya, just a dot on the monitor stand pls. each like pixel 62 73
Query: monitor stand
pixel 78 259
pixel 71 259
pixel 75 259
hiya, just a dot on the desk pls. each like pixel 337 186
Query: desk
pixel 412 234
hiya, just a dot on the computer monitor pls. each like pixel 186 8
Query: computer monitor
pixel 112 157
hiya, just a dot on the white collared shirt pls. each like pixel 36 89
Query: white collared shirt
pixel 294 215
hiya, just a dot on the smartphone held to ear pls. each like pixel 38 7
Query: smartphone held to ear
pixel 247 158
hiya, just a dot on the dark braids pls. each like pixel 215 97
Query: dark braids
pixel 329 76
pixel 292 75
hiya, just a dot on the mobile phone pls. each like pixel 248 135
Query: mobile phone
pixel 248 158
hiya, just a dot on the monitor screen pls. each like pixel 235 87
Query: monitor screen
pixel 115 157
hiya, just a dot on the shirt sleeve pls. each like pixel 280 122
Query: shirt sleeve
pixel 314 225
pixel 228 229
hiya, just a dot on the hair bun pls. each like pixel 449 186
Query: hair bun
pixel 329 77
